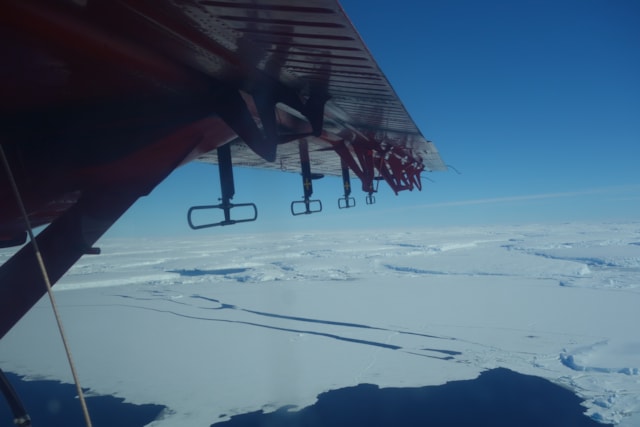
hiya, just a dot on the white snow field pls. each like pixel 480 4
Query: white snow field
pixel 213 326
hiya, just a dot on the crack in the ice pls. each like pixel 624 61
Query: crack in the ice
pixel 223 306
pixel 414 270
pixel 431 357
pixel 277 328
pixel 589 261
pixel 449 352
pixel 310 320
pixel 216 272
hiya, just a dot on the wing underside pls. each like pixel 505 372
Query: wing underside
pixel 314 47
pixel 274 71
pixel 100 100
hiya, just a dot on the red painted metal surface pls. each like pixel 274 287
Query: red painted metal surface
pixel 88 83
pixel 73 233
pixel 107 97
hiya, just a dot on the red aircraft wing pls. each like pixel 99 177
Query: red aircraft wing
pixel 102 99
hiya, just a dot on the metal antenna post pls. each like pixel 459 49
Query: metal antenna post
pixel 227 188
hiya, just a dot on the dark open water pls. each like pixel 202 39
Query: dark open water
pixel 54 404
pixel 497 398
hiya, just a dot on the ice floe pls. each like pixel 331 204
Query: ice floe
pixel 215 327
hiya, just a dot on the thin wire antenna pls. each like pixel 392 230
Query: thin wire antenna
pixel 456 170
pixel 427 178
pixel 45 277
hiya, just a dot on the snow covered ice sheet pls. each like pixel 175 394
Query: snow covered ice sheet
pixel 217 326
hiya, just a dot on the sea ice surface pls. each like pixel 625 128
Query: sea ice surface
pixel 213 327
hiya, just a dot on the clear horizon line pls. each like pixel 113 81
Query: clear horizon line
pixel 489 200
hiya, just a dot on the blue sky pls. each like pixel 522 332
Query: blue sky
pixel 536 103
